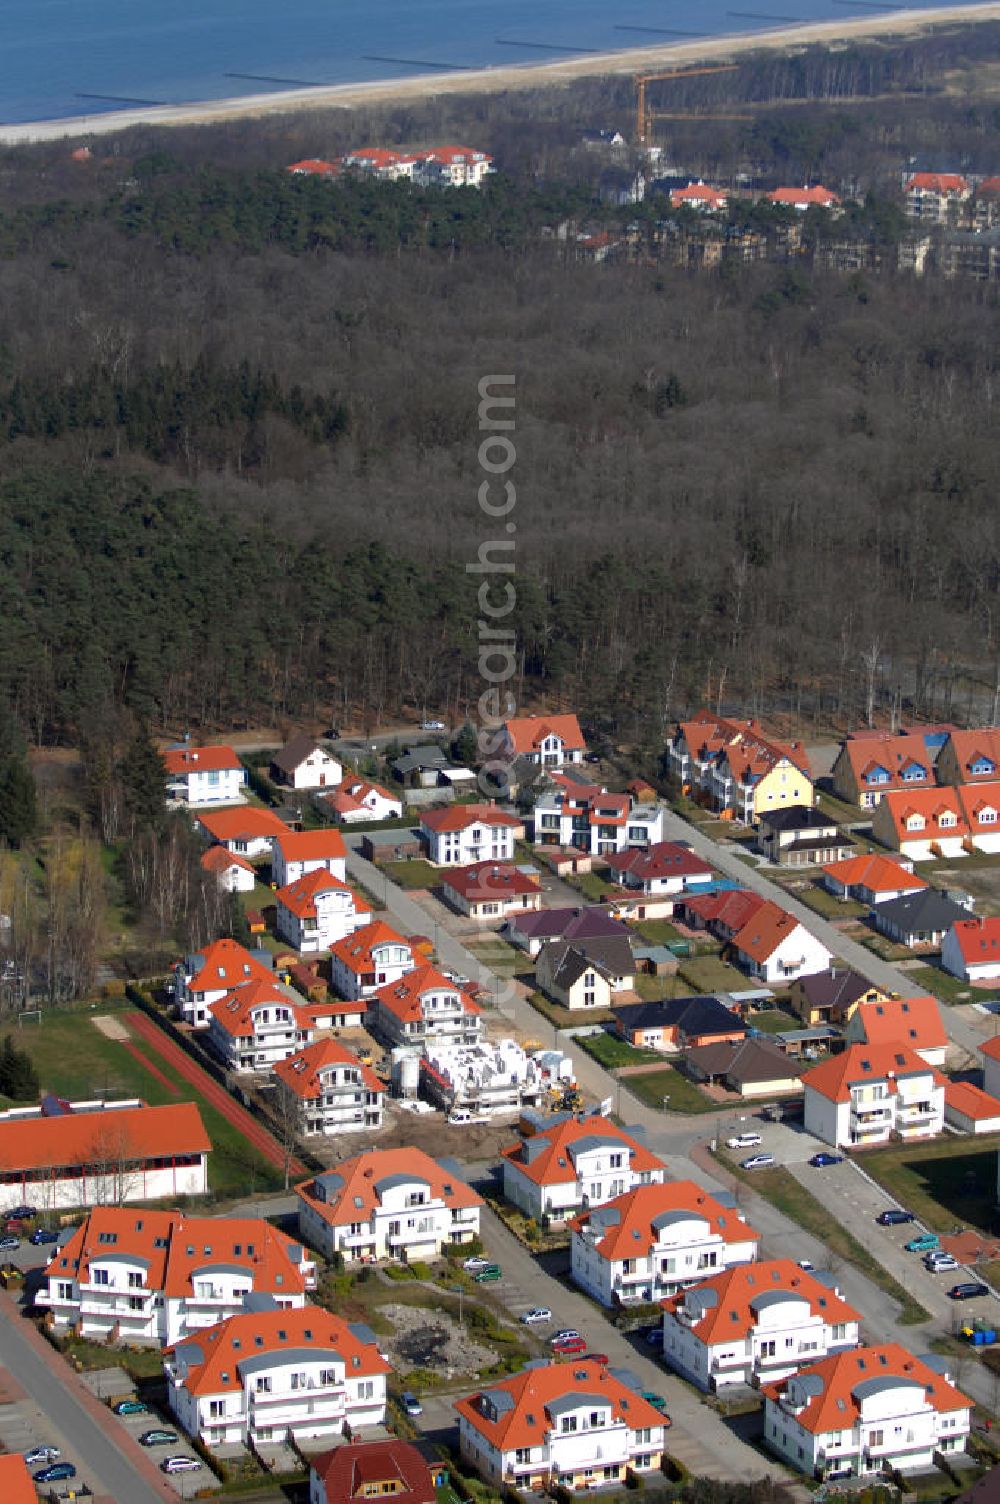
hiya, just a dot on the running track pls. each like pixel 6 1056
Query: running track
pixel 188 1070
pixel 154 1070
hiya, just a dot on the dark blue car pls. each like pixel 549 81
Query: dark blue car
pixel 820 1161
pixel 55 1472
pixel 44 1235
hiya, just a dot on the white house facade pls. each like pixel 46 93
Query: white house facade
pixel 869 1093
pixel 253 1027
pixel 578 1164
pixel 463 834
pixel 316 911
pixel 372 957
pixel 197 776
pixel 331 1090
pixel 295 853
pixel 424 1007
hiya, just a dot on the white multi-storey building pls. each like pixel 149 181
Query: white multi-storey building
pixel 576 1164
pixel 295 853
pixel 198 776
pixel 424 1008
pixel 269 1374
pixel 373 957
pixel 871 1092
pixel 589 819
pixel 387 1204
pixel 332 1091
pixel 316 911
pixel 463 834
pixel 253 1027
pixel 864 1412
pixel 206 975
pixel 656 1240
pixel 754 1324
pixel 576 1426
pixel 156 1276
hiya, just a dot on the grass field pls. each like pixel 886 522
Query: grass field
pixel 705 974
pixel 612 1052
pixel 565 1018
pixel 653 1086
pixel 774 1021
pixel 657 931
pixel 826 904
pixel 414 873
pixel 947 1182
pixel 944 986
pixel 75 1060
pixel 780 1187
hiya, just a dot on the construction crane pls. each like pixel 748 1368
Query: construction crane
pixel 644 117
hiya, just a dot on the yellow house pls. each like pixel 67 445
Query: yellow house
pixel 832 997
pixel 753 777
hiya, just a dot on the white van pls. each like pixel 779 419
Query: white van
pixel 744 1141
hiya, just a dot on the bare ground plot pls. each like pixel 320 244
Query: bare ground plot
pixel 979 876
pixel 433 1340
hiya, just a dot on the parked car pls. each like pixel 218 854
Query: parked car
pixel 943 1263
pixel 601 1359
pixel 806 1264
pixel 55 1472
pixel 654 1336
pixel 536 1314
pixel 656 1400
pixel 158 1438
pixel 821 1160
pixel 757 1162
pixel 488 1275
pixel 894 1217
pixel 744 1141
pixel 130 1407
pixel 462 1119
pixel 42 1454
pixel 476 1262
pixel 411 1404
pixel 564 1334
pixel 179 1464
pixel 968 1290
pixel 567 1346
pixel 922 1243
pixel 44 1235
pixel 23 1213
pixel 432 725
pixel 9 1243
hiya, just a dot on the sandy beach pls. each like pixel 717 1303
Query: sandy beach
pixel 496 80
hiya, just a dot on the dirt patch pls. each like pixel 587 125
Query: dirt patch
pixel 435 1341
pixel 111 1027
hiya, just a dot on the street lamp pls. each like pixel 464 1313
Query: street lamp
pixel 461 1303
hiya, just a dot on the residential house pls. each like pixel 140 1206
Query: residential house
pixel 936 197
pixel 990 1051
pixel 801 836
pixel 394 845
pixel 358 800
pixel 422 766
pixel 16 1484
pixel 253 1027
pixel 872 879
pixel 234 874
pixel 755 1324
pixel 656 1240
pixel 247 831
pixel 804 198
pixel 206 975
pixel 157 1276
pixel 380 162
pixel 388 1204
pixel 679 1023
pixel 579 1162
pixel 723 913
pixel 753 776
pixel 753 1068
pixel 582 974
pixel 464 834
pixel 548 741
pixel 314 912
pixel 830 997
pixel 421 1006
pixel 577 1427
pixel 662 868
pixel 490 891
pixel 274 1375
pixel 530 931
pixel 372 957
pixel 585 817
pixel 331 1092
pixel 203 775
pixel 873 1411
pixel 305 764
pixel 310 167
pixel 96 1153
pixel 701 197
pixel 870 1093
pixel 981 807
pixel 920 919
pixel 452 167
pixel 915 1021
pixel 969 1109
pixel 970 949
pixel 775 947
pixel 361 1471
pixel 296 853
pixel 922 824
pixel 872 764
pixel 970 756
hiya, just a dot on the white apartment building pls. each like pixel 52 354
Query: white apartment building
pixel 294 853
pixel 206 975
pixel 424 1008
pixel 656 1240
pixel 372 957
pixel 864 1412
pixel 197 776
pixel 332 1091
pixel 576 1164
pixel 316 911
pixel 269 1374
pixel 253 1027
pixel 755 1324
pixel 580 1426
pixel 548 741
pixel 871 1092
pixel 387 1204
pixel 463 834
pixel 157 1276
pixel 590 819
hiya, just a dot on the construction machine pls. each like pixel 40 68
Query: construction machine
pixel 644 116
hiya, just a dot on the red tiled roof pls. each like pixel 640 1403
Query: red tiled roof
pixel 314 166
pixel 733 1317
pixel 234 1011
pixel 82 1138
pixel 225 964
pixel 302 1072
pixel 16 1486
pixel 916 1021
pixel 939 182
pixel 862 1063
pixel 461 816
pixel 971 1101
pixel 699 193
pixel 354 1194
pixel 527 732
pixel 534 1389
pixel 662 859
pixel 931 804
pixel 733 908
pixel 347 1472
pixel 350 797
pixel 252 1334
pixel 634 1234
pixel 817 195
pixel 355 951
pixel 218 859
pixel 402 998
pixel 187 759
pixel 836 1408
pixel 554 1164
pixel 893 751
pixel 990 1047
pixel 879 874
pixel 485 880
pixel 244 823
pixel 763 933
pixel 325 845
pixel 299 897
pixel 978 939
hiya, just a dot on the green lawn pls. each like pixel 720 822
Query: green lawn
pixel 612 1052
pixel 75 1060
pixel 412 873
pixel 944 986
pixel 564 1018
pixel 844 814
pixel 651 1087
pixel 592 886
pixel 948 1182
pixel 829 906
pixel 780 1187
pixel 774 1021
pixel 705 974
pixel 657 931
pixel 502 959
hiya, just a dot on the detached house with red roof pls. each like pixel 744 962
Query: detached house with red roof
pixel 872 879
pixel 865 1412
pixel 296 853
pixel 922 824
pixel 358 800
pixel 804 198
pixel 914 1021
pixel 205 976
pixel 253 1027
pixel 202 775
pixel 971 950
pixel 388 1204
pixel 578 1162
pixel 366 1470
pixel 157 1276
pixel 656 1240
pixel 247 831
pixel 423 1007
pixel 372 957
pixel 331 1090
pixel 873 764
pixel 548 741
pixel 869 1093
pixel 666 867
pixel 990 1052
pixel 316 911
pixel 577 1426
pixel 700 196
pixel 271 1375
pixel 234 874
pixel 491 891
pixel 755 1324
pixel 936 197
pixel 774 947
pixel 463 834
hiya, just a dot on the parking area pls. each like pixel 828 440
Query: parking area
pixel 192 1475
pixel 26 1429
